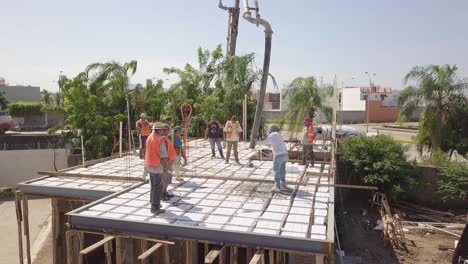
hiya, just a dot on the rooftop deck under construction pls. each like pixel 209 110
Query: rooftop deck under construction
pixel 217 202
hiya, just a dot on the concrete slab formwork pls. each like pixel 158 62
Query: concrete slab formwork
pixel 237 207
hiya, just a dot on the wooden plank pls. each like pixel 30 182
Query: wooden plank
pixel 319 259
pixel 70 249
pixel 150 251
pixel 144 247
pixel 108 251
pixel 188 252
pixel 26 228
pixel 167 257
pixel 96 245
pixel 91 176
pixel 445 247
pixel 20 230
pixel 271 254
pixel 212 255
pixel 118 250
pixel 257 257
pixel 234 255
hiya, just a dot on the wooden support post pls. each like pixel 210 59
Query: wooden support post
pixel 257 257
pixel 319 259
pixel 108 251
pixel 213 254
pixel 144 247
pixel 96 245
pixel 20 230
pixel 72 250
pixel 150 251
pixel 118 250
pixel 249 253
pixel 26 228
pixel 222 255
pixel 167 258
pixel 234 259
pixel 57 254
pixel 129 250
pixel 272 256
pixel 188 252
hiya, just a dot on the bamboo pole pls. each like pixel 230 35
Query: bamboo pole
pixel 26 228
pixel 20 230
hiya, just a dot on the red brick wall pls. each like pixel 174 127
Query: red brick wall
pixel 380 113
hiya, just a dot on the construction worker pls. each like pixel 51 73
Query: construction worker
pixel 213 132
pixel 171 154
pixel 232 132
pixel 308 138
pixel 169 122
pixel 280 157
pixel 143 131
pixel 176 141
pixel 157 164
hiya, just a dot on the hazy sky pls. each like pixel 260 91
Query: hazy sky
pixel 38 39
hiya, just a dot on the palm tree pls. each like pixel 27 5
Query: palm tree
pixel 3 101
pixel 440 91
pixel 46 97
pixel 306 99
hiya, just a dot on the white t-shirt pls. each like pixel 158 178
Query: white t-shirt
pixel 236 129
pixel 277 143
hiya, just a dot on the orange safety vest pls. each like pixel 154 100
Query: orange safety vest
pixel 171 152
pixel 152 155
pixel 144 127
pixel 229 128
pixel 310 133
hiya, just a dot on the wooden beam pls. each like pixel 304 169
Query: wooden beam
pixel 118 250
pixel 150 251
pixel 26 228
pixel 144 247
pixel 20 230
pixel 96 245
pixel 212 255
pixel 319 259
pixel 258 256
pixel 166 256
pixel 69 238
pixel 108 251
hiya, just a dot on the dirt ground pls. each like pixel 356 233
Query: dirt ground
pixel 355 223
pixel 425 248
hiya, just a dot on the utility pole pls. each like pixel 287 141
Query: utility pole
pixel 266 65
pixel 367 99
pixel 233 25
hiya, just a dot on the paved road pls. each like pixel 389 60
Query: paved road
pixel 39 212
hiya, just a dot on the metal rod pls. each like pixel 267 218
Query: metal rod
pixel 82 152
pixel 120 139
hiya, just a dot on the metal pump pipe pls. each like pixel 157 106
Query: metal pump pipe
pixel 266 66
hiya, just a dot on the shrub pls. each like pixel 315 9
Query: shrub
pixel 454 183
pixel 379 161
pixel 25 108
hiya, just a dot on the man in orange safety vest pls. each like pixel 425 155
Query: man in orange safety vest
pixel 307 142
pixel 232 131
pixel 143 131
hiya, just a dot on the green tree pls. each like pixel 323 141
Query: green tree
pixel 306 99
pixel 454 181
pixel 46 97
pixel 379 161
pixel 95 103
pixel 440 91
pixel 3 101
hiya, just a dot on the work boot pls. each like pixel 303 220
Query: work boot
pixel 157 211
pixel 283 187
pixel 227 161
pixel 238 162
pixel 276 189
pixel 178 178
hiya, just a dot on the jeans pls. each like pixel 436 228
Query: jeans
pixel 218 144
pixel 167 179
pixel 232 144
pixel 176 166
pixel 279 169
pixel 156 180
pixel 308 154
pixel 142 145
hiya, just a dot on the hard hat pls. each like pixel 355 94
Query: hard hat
pixel 143 115
pixel 274 128
pixel 158 126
